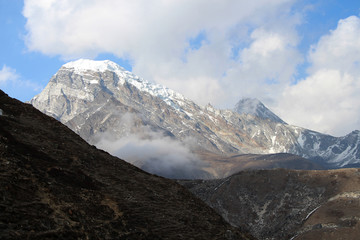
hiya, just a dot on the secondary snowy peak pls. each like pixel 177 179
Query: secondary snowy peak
pixel 254 107
pixel 82 66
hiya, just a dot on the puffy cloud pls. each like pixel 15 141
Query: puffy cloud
pixel 340 49
pixel 155 35
pixel 328 99
pixel 265 67
pixel 242 48
pixel 7 74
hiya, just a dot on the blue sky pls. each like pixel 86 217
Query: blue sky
pixel 284 52
pixel 33 70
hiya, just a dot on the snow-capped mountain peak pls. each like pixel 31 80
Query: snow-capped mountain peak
pixel 93 96
pixel 169 96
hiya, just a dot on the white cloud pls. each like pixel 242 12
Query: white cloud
pixel 13 84
pixel 340 49
pixel 250 48
pixel 328 100
pixel 155 35
pixel 7 74
pixel 151 150
pixel 265 67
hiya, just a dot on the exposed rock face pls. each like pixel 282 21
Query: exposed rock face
pixel 94 97
pixel 54 185
pixel 281 204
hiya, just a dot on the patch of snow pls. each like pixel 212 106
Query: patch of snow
pixel 209 108
pixel 83 65
pixel 342 156
pixel 355 195
pixel 271 150
pixel 94 82
pixel 221 184
pixel 309 214
pixel 257 133
pixel 301 140
pixel 273 138
pixel 189 114
pixel 1 112
pixel 212 119
pixel 90 81
pixel 316 146
pixel 294 237
pixel 181 103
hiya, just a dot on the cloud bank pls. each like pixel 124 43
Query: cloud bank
pixel 214 51
pixel 328 100
pixel 151 150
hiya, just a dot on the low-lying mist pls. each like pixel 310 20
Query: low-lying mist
pixel 151 150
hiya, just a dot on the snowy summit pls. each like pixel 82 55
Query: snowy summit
pixel 83 65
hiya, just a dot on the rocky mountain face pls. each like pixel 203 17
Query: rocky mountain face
pixel 54 185
pixel 107 106
pixel 287 204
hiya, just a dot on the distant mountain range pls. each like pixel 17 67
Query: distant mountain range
pixel 165 133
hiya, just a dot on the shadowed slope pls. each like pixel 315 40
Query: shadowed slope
pixel 53 185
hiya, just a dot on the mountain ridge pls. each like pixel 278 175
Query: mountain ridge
pixel 93 103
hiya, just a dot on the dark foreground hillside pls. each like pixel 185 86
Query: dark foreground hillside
pixel 288 204
pixel 53 185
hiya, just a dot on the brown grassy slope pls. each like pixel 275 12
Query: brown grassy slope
pixel 338 217
pixel 277 203
pixel 223 166
pixel 53 185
